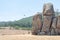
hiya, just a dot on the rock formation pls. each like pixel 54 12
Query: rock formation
pixel 48 9
pixel 48 14
pixel 58 25
pixel 36 23
pixel 53 27
pixel 49 24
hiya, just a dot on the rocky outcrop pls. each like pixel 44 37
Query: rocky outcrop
pixel 48 24
pixel 48 15
pixel 48 9
pixel 36 23
pixel 58 25
pixel 53 27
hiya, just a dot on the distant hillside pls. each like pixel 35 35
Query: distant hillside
pixel 25 20
pixel 24 23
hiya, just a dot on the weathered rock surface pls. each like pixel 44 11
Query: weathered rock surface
pixel 53 27
pixel 54 23
pixel 46 24
pixel 58 25
pixel 48 9
pixel 58 22
pixel 36 23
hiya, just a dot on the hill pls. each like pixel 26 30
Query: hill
pixel 22 23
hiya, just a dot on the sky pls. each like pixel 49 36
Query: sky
pixel 11 10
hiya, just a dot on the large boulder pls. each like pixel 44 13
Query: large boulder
pixel 36 24
pixel 53 27
pixel 58 25
pixel 58 22
pixel 48 9
pixel 48 15
pixel 47 22
pixel 54 24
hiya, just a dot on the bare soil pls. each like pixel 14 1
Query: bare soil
pixel 14 32
pixel 28 37
pixel 6 34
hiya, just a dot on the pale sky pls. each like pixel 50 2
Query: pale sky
pixel 11 10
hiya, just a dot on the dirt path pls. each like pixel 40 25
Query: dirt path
pixel 28 37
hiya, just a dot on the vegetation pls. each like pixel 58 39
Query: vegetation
pixel 25 23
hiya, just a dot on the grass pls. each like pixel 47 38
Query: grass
pixel 23 28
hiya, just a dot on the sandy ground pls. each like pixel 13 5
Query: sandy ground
pixel 6 34
pixel 28 37
pixel 14 32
